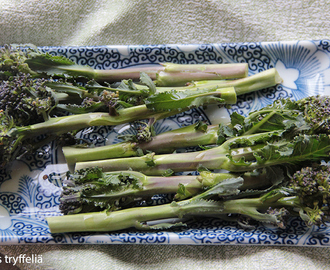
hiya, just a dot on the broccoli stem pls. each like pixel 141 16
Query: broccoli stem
pixel 154 110
pixel 92 188
pixel 150 164
pixel 242 153
pixel 165 142
pixel 136 217
pixel 116 75
pixel 152 185
pixel 110 221
pixel 228 71
pixel 176 74
pixel 39 64
pixel 60 125
pixel 131 186
pixel 167 185
pixel 259 81
pixel 214 158
pixel 74 154
pixel 198 205
pixel 16 136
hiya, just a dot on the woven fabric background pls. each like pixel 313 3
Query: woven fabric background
pixel 122 22
pixel 106 22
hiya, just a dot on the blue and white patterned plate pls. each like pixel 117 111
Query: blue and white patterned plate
pixel 30 191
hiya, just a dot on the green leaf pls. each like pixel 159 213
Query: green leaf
pixel 259 138
pixel 282 114
pixel 80 109
pixel 126 94
pixel 67 88
pixel 275 194
pixel 168 173
pixel 226 187
pixel 224 132
pixel 150 159
pixel 274 175
pixel 201 168
pixel 94 87
pixel 301 148
pixel 239 163
pixel 50 64
pixel 93 189
pixel 201 126
pixel 198 206
pixel 237 119
pixel 182 191
pixel 127 85
pixel 146 80
pixel 124 104
pixel 181 100
pixel 205 147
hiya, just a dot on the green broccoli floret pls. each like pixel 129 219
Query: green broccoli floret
pixel 12 61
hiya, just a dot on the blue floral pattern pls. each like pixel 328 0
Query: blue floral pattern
pixel 29 191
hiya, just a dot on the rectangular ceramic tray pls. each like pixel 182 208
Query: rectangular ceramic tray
pixel 27 197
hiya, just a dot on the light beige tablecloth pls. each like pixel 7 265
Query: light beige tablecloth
pixel 116 22
pixel 101 22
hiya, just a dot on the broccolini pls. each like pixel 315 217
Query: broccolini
pixel 13 137
pixel 29 59
pixel 305 195
pixel 91 189
pixel 309 115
